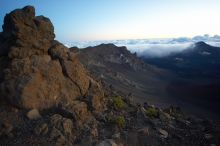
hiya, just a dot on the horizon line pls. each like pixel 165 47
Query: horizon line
pixel 146 38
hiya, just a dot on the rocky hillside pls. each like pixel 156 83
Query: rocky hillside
pixel 48 98
pixel 125 72
pixel 109 53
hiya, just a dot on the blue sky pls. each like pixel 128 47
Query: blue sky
pixel 124 19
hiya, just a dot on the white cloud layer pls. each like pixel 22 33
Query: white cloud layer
pixel 153 47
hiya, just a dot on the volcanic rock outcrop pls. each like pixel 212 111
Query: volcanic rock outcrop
pixel 39 72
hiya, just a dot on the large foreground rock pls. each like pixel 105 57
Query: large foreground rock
pixel 41 72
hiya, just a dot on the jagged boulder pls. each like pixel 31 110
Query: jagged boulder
pixel 58 51
pixel 59 129
pixel 29 35
pixel 40 72
pixel 76 73
pixel 95 94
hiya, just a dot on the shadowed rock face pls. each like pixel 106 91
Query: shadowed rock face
pixel 40 71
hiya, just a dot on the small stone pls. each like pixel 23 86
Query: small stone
pixel 67 126
pixel 13 109
pixel 58 137
pixel 6 129
pixel 61 141
pixel 41 129
pixel 164 116
pixel 167 116
pixel 188 122
pixel 116 136
pixel 144 131
pixel 171 126
pixel 107 142
pixel 33 114
pixel 112 143
pixel 208 136
pixel 153 106
pixel 164 133
pixel 94 132
pixel 55 133
pixel 56 120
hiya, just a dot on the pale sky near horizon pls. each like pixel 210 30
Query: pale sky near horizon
pixel 124 19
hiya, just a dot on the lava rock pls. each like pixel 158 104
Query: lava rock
pixel 164 133
pixel 6 130
pixel 41 129
pixel 37 65
pixel 33 114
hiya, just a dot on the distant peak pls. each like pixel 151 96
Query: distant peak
pixel 107 45
pixel 201 43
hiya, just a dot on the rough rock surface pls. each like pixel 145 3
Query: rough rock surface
pixel 38 64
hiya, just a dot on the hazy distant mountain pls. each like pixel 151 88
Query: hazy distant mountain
pixel 201 60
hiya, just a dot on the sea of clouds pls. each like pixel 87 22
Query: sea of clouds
pixel 152 47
